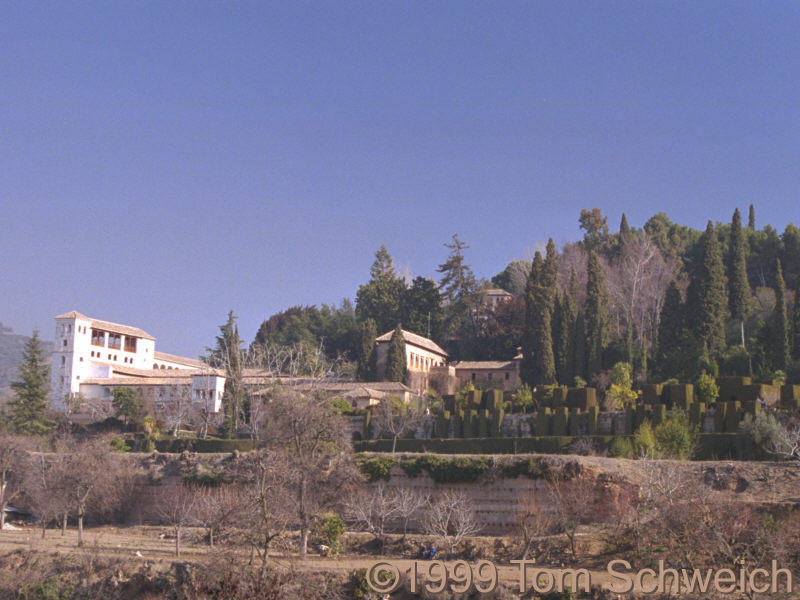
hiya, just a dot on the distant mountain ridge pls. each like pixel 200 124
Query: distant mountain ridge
pixel 11 346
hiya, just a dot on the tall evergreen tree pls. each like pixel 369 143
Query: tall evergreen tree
pixel 624 230
pixel 550 274
pixel 739 288
pixel 459 291
pixel 671 328
pixel 751 219
pixel 538 360
pixel 421 308
pixel 782 354
pixel 366 351
pixel 229 356
pixel 28 409
pixel 579 347
pixel 396 357
pixel 796 326
pixel 564 338
pixel 380 298
pixel 707 299
pixel 596 315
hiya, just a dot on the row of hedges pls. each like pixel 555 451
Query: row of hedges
pixel 709 446
pixel 463 469
pixel 205 446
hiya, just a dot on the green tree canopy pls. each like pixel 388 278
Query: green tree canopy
pixel 396 357
pixel 380 298
pixel 707 297
pixel 28 409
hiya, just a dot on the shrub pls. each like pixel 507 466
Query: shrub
pixel 706 389
pixel 375 467
pixel 118 444
pixel 341 406
pixel 329 531
pixel 621 447
pixel 522 399
pixel 676 436
pixel 763 437
pixel 644 441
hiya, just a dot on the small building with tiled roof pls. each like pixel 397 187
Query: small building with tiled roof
pixel 422 355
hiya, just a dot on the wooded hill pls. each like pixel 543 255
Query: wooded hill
pixel 668 299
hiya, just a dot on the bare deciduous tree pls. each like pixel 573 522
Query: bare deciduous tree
pixel 533 521
pixel 13 455
pixel 86 477
pixel 373 511
pixel 408 502
pixel 304 428
pixel 218 507
pixel 176 507
pixel 451 518
pixel 394 418
pixel 267 499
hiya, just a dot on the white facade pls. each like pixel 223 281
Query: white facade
pixel 91 357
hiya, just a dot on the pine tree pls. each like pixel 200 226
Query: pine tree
pixel 596 315
pixel 707 299
pixel 751 219
pixel 396 357
pixel 381 297
pixel 366 351
pixel 538 362
pixel 782 354
pixel 28 409
pixel 459 292
pixel 739 288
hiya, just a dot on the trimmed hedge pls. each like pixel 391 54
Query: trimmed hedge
pixel 518 445
pixel 709 446
pixel 176 446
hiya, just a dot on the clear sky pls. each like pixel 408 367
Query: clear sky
pixel 164 162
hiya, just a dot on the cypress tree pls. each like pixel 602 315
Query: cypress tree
pixel 751 219
pixel 564 338
pixel 739 288
pixel 671 327
pixel 707 300
pixel 28 408
pixel 796 326
pixel 538 361
pixel 550 275
pixel 366 351
pixel 624 230
pixel 579 347
pixel 396 358
pixel 596 315
pixel 782 354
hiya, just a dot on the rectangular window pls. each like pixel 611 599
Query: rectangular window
pixel 130 344
pixel 98 337
pixel 114 340
pixel 63 360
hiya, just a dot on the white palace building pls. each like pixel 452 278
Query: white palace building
pixel 91 357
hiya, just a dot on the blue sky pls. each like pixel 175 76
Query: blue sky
pixel 162 163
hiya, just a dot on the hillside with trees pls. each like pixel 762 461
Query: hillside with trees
pixel 668 299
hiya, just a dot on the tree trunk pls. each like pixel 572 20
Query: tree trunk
pixel 211 537
pixel 741 325
pixel 64 523
pixel 177 541
pixel 303 542
pixel 44 527
pixel 80 528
